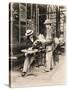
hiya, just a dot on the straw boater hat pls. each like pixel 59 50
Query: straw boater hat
pixel 29 32
pixel 47 21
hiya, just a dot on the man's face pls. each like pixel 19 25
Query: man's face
pixel 47 26
pixel 61 36
pixel 31 36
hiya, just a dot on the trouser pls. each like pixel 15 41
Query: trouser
pixel 55 56
pixel 49 60
pixel 28 61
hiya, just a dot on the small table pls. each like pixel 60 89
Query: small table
pixel 29 51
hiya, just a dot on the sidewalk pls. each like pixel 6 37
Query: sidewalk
pixel 40 77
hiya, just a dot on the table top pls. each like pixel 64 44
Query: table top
pixel 29 51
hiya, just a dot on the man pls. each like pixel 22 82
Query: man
pixel 61 45
pixel 55 51
pixel 61 39
pixel 49 45
pixel 29 58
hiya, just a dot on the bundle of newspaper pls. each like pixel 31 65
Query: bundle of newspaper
pixel 41 39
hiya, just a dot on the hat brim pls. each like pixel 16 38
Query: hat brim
pixel 47 23
pixel 28 34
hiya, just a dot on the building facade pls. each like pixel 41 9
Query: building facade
pixel 23 16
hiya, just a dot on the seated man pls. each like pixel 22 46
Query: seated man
pixel 29 57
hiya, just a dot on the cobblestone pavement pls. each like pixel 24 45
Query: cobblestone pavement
pixel 39 77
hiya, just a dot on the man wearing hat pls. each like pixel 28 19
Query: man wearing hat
pixel 49 45
pixel 28 45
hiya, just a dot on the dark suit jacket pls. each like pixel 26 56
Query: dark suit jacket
pixel 28 42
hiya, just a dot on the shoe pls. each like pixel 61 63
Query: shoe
pixel 51 68
pixel 23 74
pixel 47 70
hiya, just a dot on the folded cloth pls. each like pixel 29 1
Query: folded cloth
pixel 56 40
